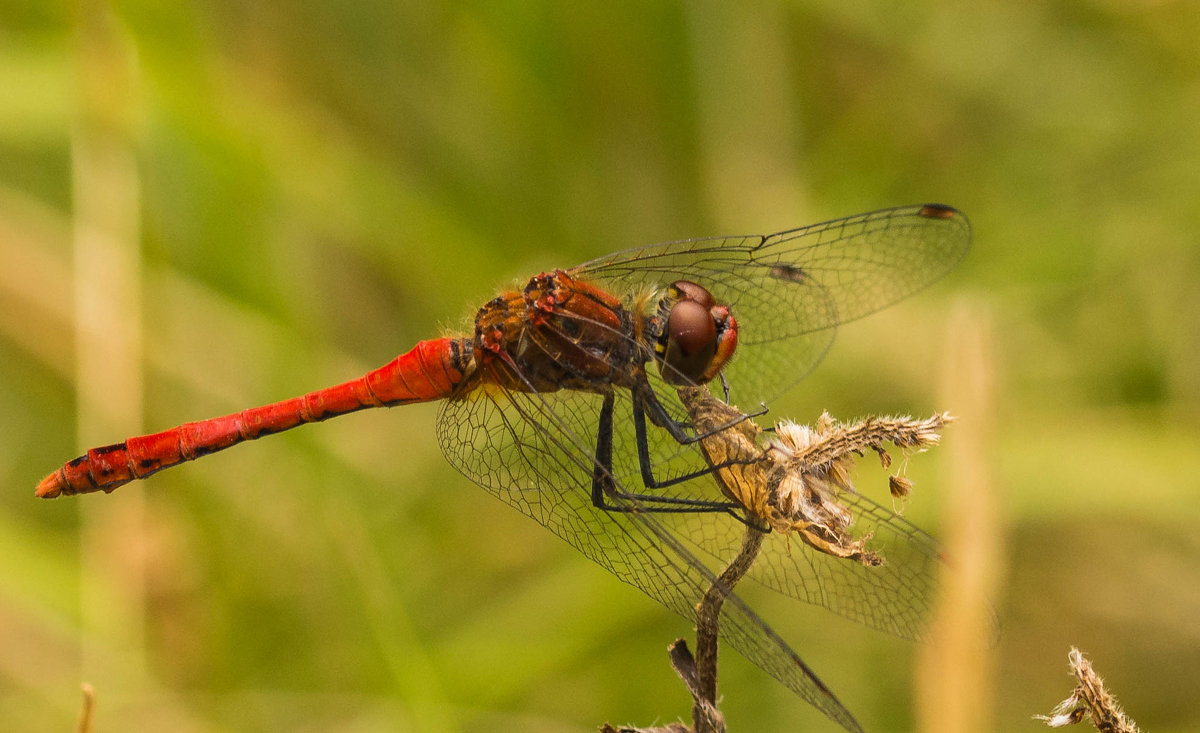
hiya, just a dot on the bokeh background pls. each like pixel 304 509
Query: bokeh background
pixel 210 205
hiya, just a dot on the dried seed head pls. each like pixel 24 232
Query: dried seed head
pixel 885 459
pixel 791 493
pixel 798 481
pixel 900 486
pixel 838 473
pixel 792 438
pixel 1089 699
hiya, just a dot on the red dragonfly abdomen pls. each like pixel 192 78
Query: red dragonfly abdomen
pixel 432 370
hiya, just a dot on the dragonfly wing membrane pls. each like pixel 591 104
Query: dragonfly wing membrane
pixel 786 289
pixel 533 451
pixel 895 597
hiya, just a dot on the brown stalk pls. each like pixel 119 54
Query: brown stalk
pixel 705 716
pixel 86 709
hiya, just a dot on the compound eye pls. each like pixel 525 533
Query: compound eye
pixel 689 290
pixel 691 327
pixel 691 342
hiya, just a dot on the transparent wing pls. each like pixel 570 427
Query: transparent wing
pixel 535 452
pixel 895 597
pixel 789 291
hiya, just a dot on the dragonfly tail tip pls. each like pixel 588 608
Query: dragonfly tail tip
pixel 49 487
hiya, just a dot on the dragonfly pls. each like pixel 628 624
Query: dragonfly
pixel 563 402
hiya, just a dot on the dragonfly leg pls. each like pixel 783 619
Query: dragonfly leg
pixel 643 449
pixel 643 405
pixel 604 487
pixel 645 400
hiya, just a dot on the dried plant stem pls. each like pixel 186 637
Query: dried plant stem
pixel 705 716
pixel 86 710
pixel 1089 700
pixel 699 673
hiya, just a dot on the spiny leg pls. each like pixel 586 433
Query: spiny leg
pixel 604 486
pixel 641 406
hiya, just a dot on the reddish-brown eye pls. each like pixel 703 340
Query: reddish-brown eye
pixel 691 343
pixel 690 326
pixel 689 290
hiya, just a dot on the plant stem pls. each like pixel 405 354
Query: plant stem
pixel 705 716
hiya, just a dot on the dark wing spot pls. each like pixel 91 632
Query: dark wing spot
pixel 937 211
pixel 788 272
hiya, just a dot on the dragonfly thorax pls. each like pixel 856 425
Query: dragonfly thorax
pixel 558 333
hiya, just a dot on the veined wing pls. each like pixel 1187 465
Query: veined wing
pixel 895 597
pixel 789 290
pixel 536 452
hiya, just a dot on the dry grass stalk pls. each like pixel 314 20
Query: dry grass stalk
pixel 699 673
pixel 86 710
pixel 705 715
pixel 954 676
pixel 1089 700
pixel 704 709
pixel 704 712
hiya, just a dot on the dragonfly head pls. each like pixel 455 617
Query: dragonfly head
pixel 697 335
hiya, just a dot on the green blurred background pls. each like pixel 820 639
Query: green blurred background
pixel 210 205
